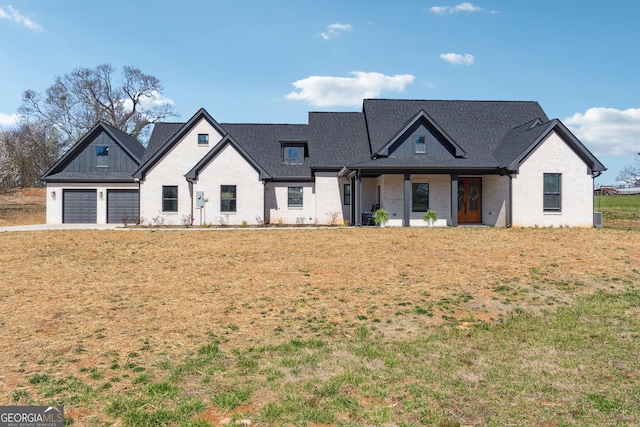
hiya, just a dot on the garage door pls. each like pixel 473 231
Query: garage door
pixel 121 205
pixel 79 206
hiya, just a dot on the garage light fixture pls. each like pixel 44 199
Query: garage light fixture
pixel 101 195
pixel 53 195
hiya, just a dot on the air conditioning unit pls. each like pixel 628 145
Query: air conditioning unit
pixel 597 219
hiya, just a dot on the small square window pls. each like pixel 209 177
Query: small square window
pixel 102 156
pixel 227 198
pixel 203 138
pixel 294 199
pixel 421 144
pixel 293 154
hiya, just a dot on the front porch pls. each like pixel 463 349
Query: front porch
pixel 457 199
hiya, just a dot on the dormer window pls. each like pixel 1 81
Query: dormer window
pixel 293 154
pixel 421 144
pixel 203 139
pixel 102 156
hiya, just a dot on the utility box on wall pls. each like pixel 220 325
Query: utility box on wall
pixel 199 199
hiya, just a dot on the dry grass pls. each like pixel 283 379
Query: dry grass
pixel 19 206
pixel 77 300
pixel 116 308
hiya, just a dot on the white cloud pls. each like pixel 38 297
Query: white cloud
pixel 335 30
pixel 462 7
pixel 8 119
pixel 328 91
pixel 148 102
pixel 8 12
pixel 465 7
pixel 457 59
pixel 607 131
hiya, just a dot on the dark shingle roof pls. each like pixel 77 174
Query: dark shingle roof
pixel 160 135
pixel 477 127
pixel 127 141
pixel 71 176
pixel 337 139
pixel 264 143
pixel 518 143
pixel 488 134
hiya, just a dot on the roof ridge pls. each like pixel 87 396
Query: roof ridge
pixel 450 100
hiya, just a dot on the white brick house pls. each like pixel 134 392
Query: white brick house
pixel 496 163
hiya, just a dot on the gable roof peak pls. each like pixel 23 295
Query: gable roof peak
pixel 153 157
pixel 421 115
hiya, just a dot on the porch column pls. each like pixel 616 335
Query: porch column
pixel 454 200
pixel 407 200
pixel 352 202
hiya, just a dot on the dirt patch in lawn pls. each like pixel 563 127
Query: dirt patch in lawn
pixel 72 302
pixel 19 206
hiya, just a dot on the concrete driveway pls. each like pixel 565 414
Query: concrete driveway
pixel 39 227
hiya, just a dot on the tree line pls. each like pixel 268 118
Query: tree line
pixel 52 121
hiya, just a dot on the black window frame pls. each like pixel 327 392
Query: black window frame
pixel 552 191
pixel 228 204
pixel 422 144
pixel 102 156
pixel 346 194
pixel 169 200
pixel 291 201
pixel 418 207
pixel 203 139
pixel 290 160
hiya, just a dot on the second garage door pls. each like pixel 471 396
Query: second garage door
pixel 123 206
pixel 79 206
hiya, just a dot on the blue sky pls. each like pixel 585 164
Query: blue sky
pixel 255 61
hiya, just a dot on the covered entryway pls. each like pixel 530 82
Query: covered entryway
pixel 79 206
pixel 123 206
pixel 469 200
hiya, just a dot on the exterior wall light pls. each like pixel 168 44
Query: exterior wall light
pixel 53 195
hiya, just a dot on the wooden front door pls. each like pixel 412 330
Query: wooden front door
pixel 469 200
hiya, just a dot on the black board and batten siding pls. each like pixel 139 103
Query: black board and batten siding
pixel 87 160
pixel 436 146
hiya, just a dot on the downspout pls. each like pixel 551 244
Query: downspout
pixel 358 178
pixel 190 181
pixel 137 180
pixel 510 213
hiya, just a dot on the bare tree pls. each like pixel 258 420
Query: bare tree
pixel 81 98
pixel 26 152
pixel 630 174
pixel 8 170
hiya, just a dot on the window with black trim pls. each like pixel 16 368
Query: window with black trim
pixel 421 144
pixel 347 194
pixel 169 198
pixel 227 198
pixel 419 197
pixel 203 139
pixel 293 154
pixel 552 192
pixel 102 156
pixel 294 197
